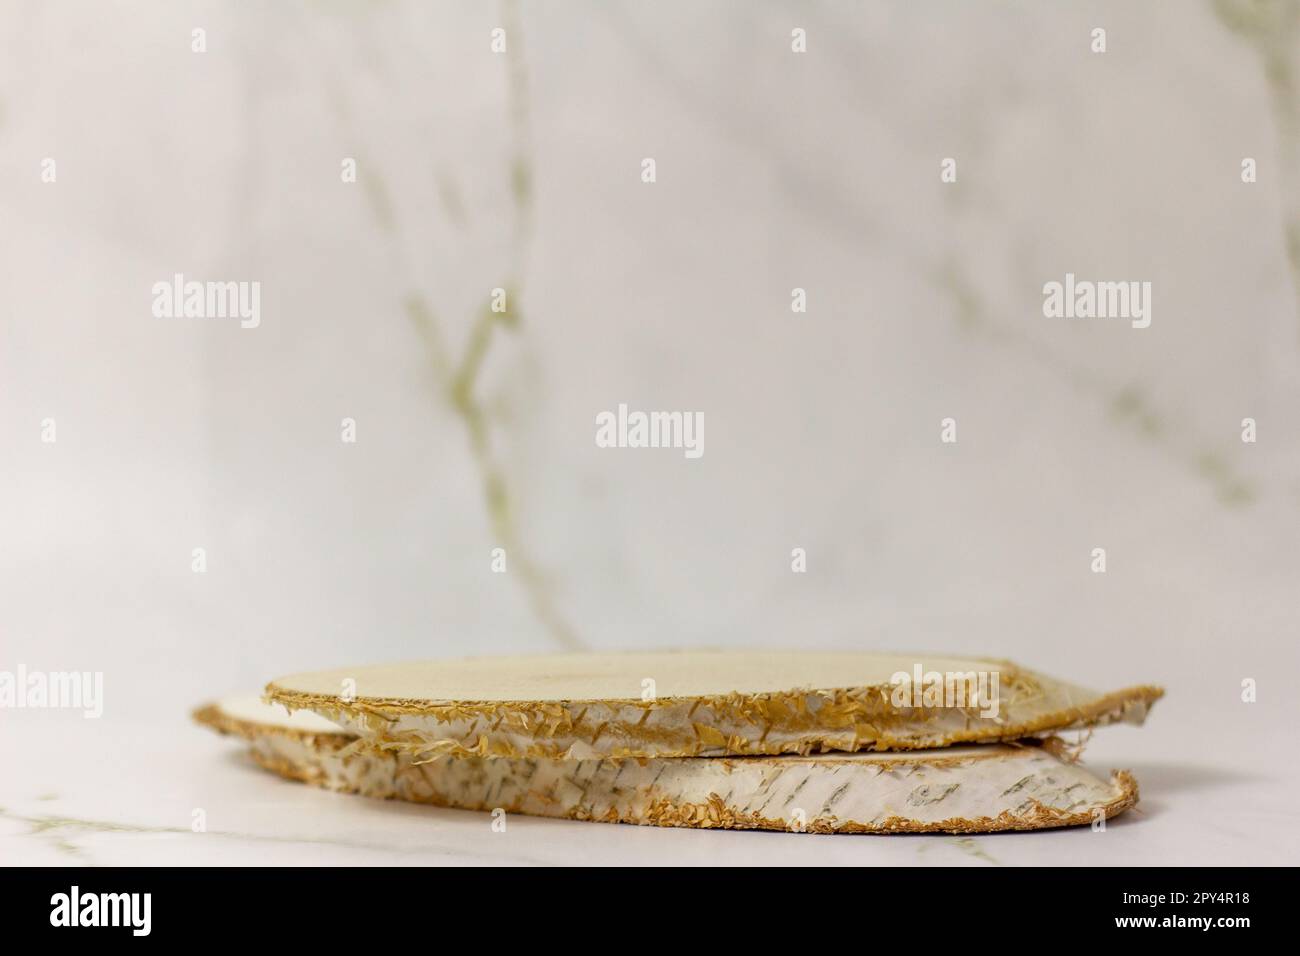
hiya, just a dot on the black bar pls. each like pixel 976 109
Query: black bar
pixel 349 906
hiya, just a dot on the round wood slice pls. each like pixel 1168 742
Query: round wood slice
pixel 696 704
pixel 964 789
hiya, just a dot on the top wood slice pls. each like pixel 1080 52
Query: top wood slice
pixel 696 703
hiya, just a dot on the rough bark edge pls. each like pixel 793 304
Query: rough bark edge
pixel 212 716
pixel 767 705
pixel 842 709
pixel 716 815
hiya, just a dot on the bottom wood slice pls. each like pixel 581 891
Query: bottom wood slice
pixel 966 789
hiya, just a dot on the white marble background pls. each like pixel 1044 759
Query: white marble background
pixel 775 170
